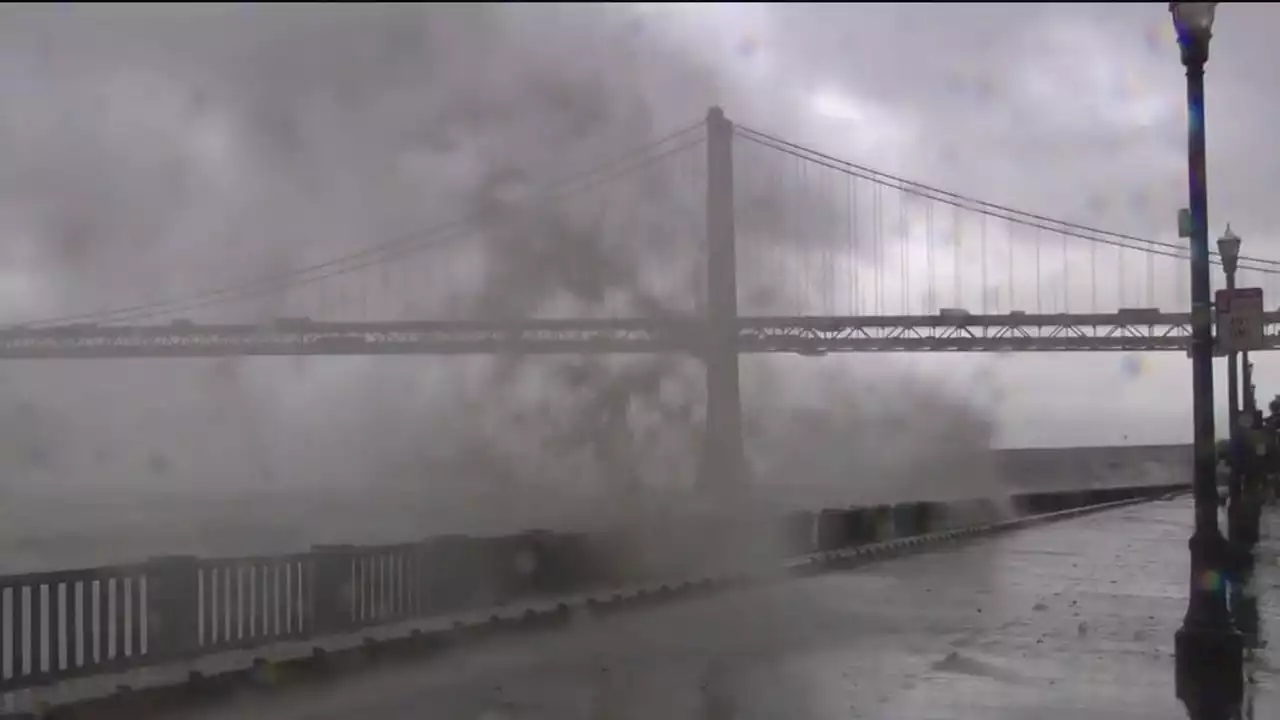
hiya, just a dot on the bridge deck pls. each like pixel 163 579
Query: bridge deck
pixel 1125 330
pixel 1070 620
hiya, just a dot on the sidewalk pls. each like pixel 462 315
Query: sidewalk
pixel 1070 620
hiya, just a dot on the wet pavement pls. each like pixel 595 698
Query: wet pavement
pixel 1068 620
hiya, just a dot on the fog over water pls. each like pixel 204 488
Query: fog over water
pixel 152 153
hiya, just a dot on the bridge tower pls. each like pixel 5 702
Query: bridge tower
pixel 723 463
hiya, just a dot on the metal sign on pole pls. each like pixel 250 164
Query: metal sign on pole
pixel 1240 315
pixel 1184 223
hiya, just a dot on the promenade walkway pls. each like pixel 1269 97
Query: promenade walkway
pixel 1068 620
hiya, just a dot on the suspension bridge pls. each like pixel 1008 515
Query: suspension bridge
pixel 779 246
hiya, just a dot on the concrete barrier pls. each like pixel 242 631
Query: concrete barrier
pixel 880 518
pixel 798 535
pixel 834 529
pixel 452 574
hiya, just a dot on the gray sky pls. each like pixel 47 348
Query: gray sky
pixel 1075 111
pixel 153 151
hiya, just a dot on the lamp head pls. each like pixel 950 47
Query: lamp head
pixel 1193 22
pixel 1229 249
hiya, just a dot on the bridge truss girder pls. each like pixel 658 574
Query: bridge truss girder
pixel 806 335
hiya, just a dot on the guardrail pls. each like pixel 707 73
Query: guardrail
pixel 58 626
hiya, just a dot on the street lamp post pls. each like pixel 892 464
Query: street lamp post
pixel 1209 652
pixel 1241 527
pixel 1229 251
pixel 1250 401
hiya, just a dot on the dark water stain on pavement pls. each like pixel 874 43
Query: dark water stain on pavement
pixel 959 664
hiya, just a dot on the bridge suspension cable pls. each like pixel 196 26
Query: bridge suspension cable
pixel 449 233
pixel 988 209
pixel 396 248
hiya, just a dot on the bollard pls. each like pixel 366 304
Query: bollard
pixel 173 605
pixel 331 588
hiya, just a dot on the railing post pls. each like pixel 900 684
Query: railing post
pixel 331 589
pixel 173 605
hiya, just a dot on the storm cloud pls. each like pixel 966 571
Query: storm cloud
pixel 155 153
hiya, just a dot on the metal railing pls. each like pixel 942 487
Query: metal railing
pixel 62 625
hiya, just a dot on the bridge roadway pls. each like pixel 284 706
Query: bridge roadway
pixel 1061 621
pixel 1125 330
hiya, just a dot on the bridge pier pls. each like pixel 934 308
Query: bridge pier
pixel 723 465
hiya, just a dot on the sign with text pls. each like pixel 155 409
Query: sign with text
pixel 1240 320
